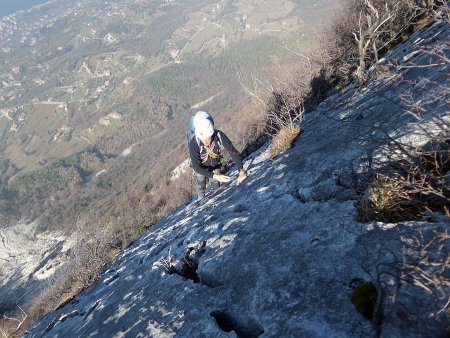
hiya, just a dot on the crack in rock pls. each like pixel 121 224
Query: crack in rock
pixel 187 266
pixel 111 279
pixel 60 319
pixel 244 327
pixel 92 308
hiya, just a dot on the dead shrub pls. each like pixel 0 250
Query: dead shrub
pixel 419 185
pixel 283 113
pixel 252 138
pixel 428 263
pixel 283 141
pixel 363 31
pixel 387 200
pixel 296 83
pixel 12 325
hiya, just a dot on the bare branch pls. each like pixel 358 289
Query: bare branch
pixel 19 321
pixel 3 333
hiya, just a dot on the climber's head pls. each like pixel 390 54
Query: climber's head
pixel 204 130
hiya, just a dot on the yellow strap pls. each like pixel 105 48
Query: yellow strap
pixel 211 153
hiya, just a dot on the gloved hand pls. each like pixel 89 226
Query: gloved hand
pixel 221 178
pixel 242 177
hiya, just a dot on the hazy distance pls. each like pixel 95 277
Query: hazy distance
pixel 8 7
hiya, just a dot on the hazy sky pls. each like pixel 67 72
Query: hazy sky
pixel 10 6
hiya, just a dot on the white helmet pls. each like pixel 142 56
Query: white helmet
pixel 204 128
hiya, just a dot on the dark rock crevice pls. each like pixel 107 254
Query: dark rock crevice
pixel 244 327
pixel 61 319
pixel 187 266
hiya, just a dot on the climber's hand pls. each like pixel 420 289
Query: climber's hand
pixel 242 177
pixel 221 178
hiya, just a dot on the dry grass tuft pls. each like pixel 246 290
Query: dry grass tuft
pixel 420 185
pixel 388 200
pixel 283 141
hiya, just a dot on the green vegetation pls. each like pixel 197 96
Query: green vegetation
pixel 199 77
pixel 60 175
pixel 35 142
pixel 51 177
pixel 4 128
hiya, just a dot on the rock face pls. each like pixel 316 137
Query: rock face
pixel 27 262
pixel 278 256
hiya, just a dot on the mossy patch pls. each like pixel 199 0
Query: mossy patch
pixel 364 298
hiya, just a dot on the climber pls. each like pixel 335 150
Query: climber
pixel 205 147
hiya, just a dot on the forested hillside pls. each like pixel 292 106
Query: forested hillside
pixel 83 82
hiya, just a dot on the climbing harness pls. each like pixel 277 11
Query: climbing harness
pixel 210 153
